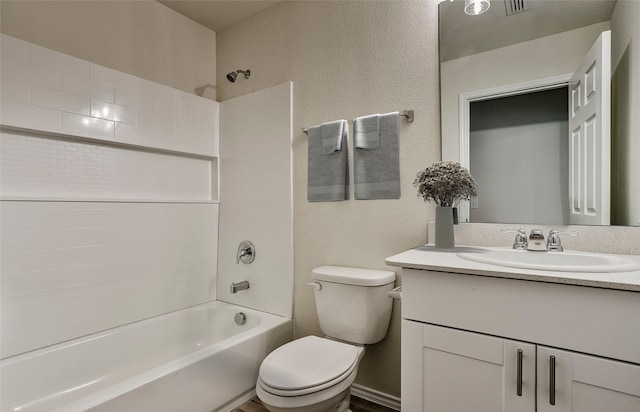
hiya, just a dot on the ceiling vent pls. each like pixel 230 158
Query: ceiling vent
pixel 517 6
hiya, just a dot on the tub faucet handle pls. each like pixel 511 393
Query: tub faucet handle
pixel 520 241
pixel 246 252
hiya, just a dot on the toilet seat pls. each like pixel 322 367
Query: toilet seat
pixel 308 365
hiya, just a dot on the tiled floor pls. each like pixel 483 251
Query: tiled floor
pixel 357 405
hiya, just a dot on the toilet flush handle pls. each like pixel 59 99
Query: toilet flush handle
pixel 316 285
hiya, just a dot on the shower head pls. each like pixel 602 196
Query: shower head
pixel 232 76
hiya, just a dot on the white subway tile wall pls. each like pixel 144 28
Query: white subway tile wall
pixel 75 258
pixel 75 268
pixel 47 168
pixel 37 81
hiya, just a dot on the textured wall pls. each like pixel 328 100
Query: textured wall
pixel 347 59
pixel 143 38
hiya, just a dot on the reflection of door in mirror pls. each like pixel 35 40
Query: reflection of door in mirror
pixel 480 55
pixel 543 156
pixel 590 136
pixel 519 158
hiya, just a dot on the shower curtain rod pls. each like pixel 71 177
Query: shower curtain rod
pixel 405 113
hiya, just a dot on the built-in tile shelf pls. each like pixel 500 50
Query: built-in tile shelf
pixel 74 130
pixel 94 140
pixel 44 166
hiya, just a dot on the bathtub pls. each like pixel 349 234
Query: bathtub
pixel 196 359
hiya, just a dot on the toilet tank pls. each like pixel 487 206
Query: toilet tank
pixel 352 303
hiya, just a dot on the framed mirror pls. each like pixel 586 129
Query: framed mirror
pixel 508 77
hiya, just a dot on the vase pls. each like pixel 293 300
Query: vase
pixel 444 227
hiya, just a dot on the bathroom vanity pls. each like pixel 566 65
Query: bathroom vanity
pixel 484 337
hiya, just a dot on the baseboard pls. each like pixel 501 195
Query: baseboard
pixel 375 396
pixel 240 400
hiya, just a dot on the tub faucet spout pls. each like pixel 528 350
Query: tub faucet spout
pixel 235 287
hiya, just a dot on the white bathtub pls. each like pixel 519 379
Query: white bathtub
pixel 192 360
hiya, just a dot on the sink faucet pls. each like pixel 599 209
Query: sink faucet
pixel 536 240
pixel 235 287
pixel 553 240
pixel 521 238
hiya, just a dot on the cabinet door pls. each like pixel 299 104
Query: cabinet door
pixel 569 382
pixel 464 371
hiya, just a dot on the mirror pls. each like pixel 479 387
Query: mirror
pixel 534 47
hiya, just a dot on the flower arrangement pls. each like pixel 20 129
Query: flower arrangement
pixel 445 183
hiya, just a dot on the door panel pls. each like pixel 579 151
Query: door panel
pixel 590 136
pixel 587 383
pixel 466 371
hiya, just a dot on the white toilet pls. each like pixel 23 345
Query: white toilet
pixel 313 374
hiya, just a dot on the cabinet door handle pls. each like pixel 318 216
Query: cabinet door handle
pixel 552 380
pixel 519 381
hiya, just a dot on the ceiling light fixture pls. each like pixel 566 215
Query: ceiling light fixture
pixel 475 7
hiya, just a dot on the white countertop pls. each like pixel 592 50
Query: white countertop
pixel 427 257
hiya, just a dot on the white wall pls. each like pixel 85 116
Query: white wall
pixel 256 198
pixel 625 61
pixel 347 59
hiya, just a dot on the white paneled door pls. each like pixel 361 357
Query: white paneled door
pixel 590 136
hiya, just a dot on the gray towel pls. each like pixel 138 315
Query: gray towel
pixel 332 136
pixel 377 171
pixel 366 132
pixel 328 174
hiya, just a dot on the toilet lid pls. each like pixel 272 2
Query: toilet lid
pixel 307 362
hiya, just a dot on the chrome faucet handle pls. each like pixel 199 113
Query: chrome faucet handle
pixel 553 240
pixel 520 241
pixel 246 252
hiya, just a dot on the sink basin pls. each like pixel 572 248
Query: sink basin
pixel 552 261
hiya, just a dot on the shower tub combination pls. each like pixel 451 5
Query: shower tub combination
pixel 196 359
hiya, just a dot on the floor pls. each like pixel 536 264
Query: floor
pixel 357 405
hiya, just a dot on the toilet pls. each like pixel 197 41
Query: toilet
pixel 314 374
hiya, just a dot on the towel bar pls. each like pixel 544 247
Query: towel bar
pixel 409 114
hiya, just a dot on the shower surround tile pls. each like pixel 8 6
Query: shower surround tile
pixel 38 167
pixel 73 268
pixel 168 119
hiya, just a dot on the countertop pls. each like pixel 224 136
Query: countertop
pixel 428 257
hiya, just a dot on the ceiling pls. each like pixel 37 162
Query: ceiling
pixel 218 15
pixel 462 35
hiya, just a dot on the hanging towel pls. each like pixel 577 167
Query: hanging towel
pixel 366 132
pixel 328 173
pixel 332 136
pixel 377 170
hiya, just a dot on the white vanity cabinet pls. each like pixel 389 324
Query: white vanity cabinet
pixel 481 343
pixel 445 369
